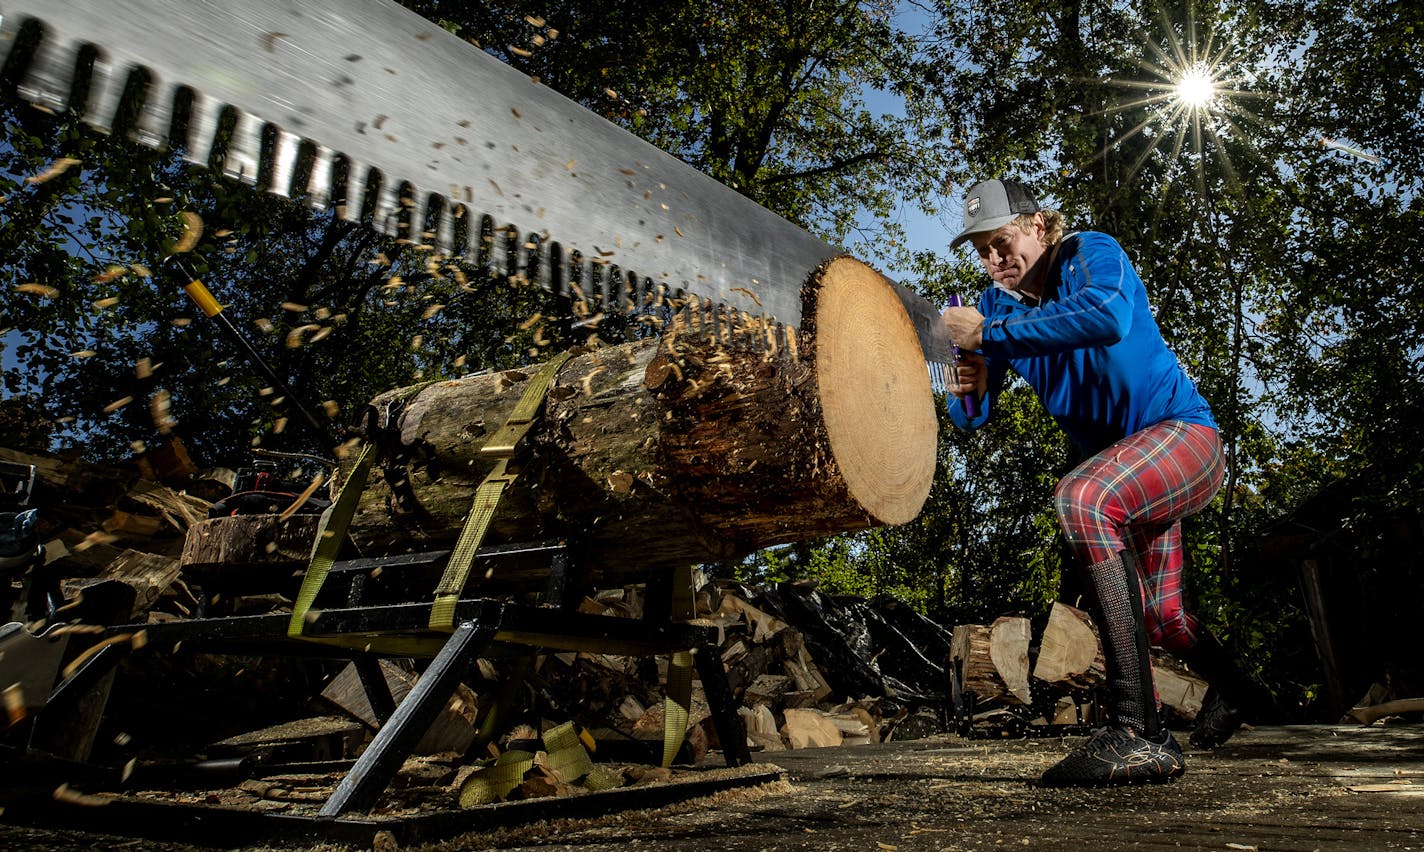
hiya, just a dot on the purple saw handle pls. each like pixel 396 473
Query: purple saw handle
pixel 971 402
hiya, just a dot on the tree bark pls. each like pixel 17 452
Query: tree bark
pixel 721 437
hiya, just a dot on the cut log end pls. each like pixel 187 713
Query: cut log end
pixel 875 394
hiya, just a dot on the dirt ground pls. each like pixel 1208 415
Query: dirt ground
pixel 1280 788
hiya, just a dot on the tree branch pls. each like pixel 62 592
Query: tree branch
pixel 829 168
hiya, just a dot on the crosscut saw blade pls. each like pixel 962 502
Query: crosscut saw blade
pixel 405 124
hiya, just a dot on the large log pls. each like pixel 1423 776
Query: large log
pixel 721 437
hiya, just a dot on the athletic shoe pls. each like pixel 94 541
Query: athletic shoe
pixel 1216 721
pixel 1115 755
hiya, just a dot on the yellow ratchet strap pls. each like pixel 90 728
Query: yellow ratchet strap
pixel 501 446
pixel 492 783
pixel 677 704
pixel 330 534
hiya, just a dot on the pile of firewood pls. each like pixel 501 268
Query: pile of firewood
pixel 105 526
pixel 1011 679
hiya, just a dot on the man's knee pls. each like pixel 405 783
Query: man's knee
pixel 1075 498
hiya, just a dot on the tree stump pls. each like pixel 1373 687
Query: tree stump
pixel 718 438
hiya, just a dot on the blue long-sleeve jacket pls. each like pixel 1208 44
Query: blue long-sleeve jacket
pixel 1090 350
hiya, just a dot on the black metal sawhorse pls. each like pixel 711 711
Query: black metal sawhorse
pixel 480 625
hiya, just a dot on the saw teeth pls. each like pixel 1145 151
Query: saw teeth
pixel 242 124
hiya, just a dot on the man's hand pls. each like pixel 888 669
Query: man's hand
pixel 966 327
pixel 973 375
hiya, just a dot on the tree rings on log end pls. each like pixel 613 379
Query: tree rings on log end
pixel 875 393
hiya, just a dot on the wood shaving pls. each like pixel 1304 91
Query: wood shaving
pixel 34 289
pixel 110 272
pixel 56 168
pixel 192 232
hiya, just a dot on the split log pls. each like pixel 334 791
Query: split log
pixel 761 728
pixel 453 728
pixel 1069 652
pixel 992 660
pixel 722 437
pixel 248 553
pixel 809 729
pixel 1177 688
pixel 149 575
pixel 1373 713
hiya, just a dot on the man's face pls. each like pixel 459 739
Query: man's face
pixel 1010 252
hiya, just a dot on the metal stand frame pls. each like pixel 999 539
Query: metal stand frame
pixel 481 625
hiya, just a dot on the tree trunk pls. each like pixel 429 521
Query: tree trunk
pixel 721 437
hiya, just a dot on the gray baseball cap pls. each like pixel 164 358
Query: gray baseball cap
pixel 990 205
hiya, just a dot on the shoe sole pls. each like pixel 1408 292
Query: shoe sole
pixel 1127 781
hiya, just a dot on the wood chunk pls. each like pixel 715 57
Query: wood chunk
pixel 1069 652
pixel 148 574
pixel 993 659
pixel 452 730
pixel 809 729
pixel 1177 688
pixel 764 626
pixel 1368 715
pixel 248 553
pixel 761 727
pixel 807 676
pixel 767 688
pixel 317 728
pixel 127 524
pixel 168 463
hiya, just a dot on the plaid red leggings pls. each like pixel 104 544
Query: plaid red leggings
pixel 1132 496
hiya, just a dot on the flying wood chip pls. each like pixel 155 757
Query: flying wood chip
pixel 34 289
pixel 749 294
pixel 109 274
pixel 63 793
pixel 192 231
pixel 57 168
pixel 295 337
pixel 15 703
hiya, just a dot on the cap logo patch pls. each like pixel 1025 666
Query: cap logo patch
pixel 972 207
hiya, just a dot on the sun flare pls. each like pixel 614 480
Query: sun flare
pixel 1196 89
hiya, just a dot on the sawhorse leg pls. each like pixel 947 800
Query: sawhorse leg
pixel 731 732
pixel 382 759
pixel 373 683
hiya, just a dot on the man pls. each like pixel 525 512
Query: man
pixel 1069 314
